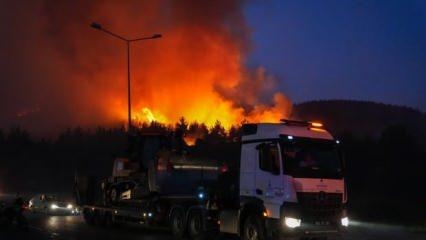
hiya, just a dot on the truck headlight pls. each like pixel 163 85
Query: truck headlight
pixel 345 221
pixel 292 222
pixel 53 206
pixel 69 206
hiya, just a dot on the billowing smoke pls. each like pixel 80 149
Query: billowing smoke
pixel 57 72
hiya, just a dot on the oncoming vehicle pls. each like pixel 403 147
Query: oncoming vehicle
pixel 50 204
pixel 11 211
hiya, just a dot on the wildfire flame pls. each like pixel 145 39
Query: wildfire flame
pixel 148 114
pixel 225 113
pixel 197 70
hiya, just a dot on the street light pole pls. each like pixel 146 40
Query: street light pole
pixel 129 97
pixel 128 41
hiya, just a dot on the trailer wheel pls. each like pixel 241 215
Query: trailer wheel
pixel 113 196
pixel 253 229
pixel 177 221
pixel 88 217
pixel 196 226
pixel 101 218
pixel 108 221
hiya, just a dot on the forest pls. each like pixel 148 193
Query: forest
pixel 385 166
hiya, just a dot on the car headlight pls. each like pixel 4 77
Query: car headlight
pixel 292 222
pixel 201 195
pixel 345 221
pixel 53 206
pixel 69 206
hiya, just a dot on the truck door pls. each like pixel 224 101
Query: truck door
pixel 269 181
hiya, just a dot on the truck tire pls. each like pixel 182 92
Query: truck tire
pixel 88 217
pixel 317 238
pixel 253 228
pixel 177 221
pixel 113 196
pixel 109 222
pixel 97 218
pixel 100 218
pixel 196 226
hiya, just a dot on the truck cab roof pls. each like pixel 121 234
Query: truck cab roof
pixel 259 131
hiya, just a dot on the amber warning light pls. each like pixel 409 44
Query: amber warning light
pixel 316 124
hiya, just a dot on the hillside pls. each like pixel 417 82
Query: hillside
pixel 385 155
pixel 360 117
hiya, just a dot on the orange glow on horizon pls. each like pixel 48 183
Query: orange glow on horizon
pixel 190 140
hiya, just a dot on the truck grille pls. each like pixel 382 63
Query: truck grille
pixel 320 208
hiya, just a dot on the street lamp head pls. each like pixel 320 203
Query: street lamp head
pixel 96 25
pixel 157 35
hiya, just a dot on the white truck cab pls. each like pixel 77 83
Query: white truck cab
pixel 293 172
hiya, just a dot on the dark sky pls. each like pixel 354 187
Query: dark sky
pixel 365 50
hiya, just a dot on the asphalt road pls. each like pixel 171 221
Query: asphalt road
pixel 42 227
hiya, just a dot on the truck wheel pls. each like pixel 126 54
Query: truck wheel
pixel 196 226
pixel 177 221
pixel 253 229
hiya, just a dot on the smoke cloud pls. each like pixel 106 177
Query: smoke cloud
pixel 57 72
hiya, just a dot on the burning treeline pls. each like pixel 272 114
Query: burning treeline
pixel 197 70
pixel 192 133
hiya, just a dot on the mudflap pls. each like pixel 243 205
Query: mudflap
pixel 87 190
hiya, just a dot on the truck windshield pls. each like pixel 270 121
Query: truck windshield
pixel 311 158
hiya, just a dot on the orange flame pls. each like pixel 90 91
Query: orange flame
pixel 197 70
pixel 146 115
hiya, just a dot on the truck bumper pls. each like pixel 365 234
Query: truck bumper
pixel 276 229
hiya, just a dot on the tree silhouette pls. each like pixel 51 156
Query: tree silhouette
pixel 182 125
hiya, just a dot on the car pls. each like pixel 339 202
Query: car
pixel 50 204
